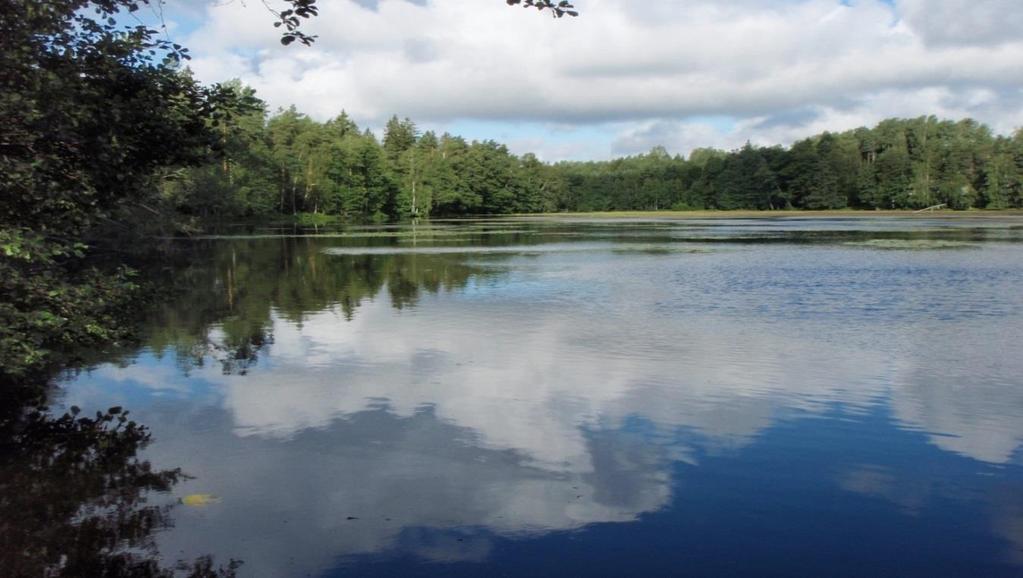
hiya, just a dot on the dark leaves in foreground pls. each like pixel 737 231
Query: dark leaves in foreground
pixel 91 111
pixel 291 19
pixel 558 9
pixel 301 10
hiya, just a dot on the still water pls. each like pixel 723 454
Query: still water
pixel 783 397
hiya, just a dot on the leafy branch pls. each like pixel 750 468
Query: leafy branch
pixel 301 10
pixel 558 9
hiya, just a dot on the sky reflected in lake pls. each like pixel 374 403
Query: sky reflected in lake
pixel 553 397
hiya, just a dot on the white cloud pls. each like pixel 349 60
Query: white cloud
pixel 660 63
pixel 959 22
pixel 788 125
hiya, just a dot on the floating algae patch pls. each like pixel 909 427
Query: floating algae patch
pixel 404 234
pixel 200 500
pixel 659 250
pixel 464 249
pixel 531 250
pixel 912 244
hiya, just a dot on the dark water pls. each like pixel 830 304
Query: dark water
pixel 702 398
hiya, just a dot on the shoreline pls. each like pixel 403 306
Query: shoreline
pixel 778 214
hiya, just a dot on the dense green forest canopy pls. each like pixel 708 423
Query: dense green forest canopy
pixel 288 163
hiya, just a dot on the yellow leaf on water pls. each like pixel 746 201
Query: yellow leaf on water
pixel 200 500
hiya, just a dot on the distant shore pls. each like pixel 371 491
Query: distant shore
pixel 750 214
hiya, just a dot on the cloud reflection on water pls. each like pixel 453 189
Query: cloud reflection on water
pixel 506 407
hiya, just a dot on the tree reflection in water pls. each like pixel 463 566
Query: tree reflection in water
pixel 228 293
pixel 74 499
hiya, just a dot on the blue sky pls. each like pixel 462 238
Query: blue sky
pixel 625 76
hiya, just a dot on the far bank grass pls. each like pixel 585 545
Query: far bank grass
pixel 325 220
pixel 777 214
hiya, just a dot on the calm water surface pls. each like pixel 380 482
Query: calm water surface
pixel 837 397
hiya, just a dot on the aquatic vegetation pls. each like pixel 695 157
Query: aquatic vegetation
pixel 660 250
pixel 912 244
pixel 405 234
pixel 200 500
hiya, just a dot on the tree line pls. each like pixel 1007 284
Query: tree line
pixel 286 163
pixel 898 164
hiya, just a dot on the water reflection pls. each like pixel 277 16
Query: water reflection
pixel 76 501
pixel 231 292
pixel 440 406
pixel 376 482
pixel 1007 515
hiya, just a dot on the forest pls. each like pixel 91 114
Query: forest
pixel 286 163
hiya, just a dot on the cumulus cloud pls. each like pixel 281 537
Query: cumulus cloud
pixel 626 68
pixel 660 63
pixel 784 126
pixel 959 22
pixel 378 483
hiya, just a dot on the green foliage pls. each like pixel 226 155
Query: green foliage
pixel 314 219
pixel 333 168
pixel 900 164
pixel 56 303
pixel 93 113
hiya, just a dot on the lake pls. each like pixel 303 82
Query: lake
pixel 570 397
